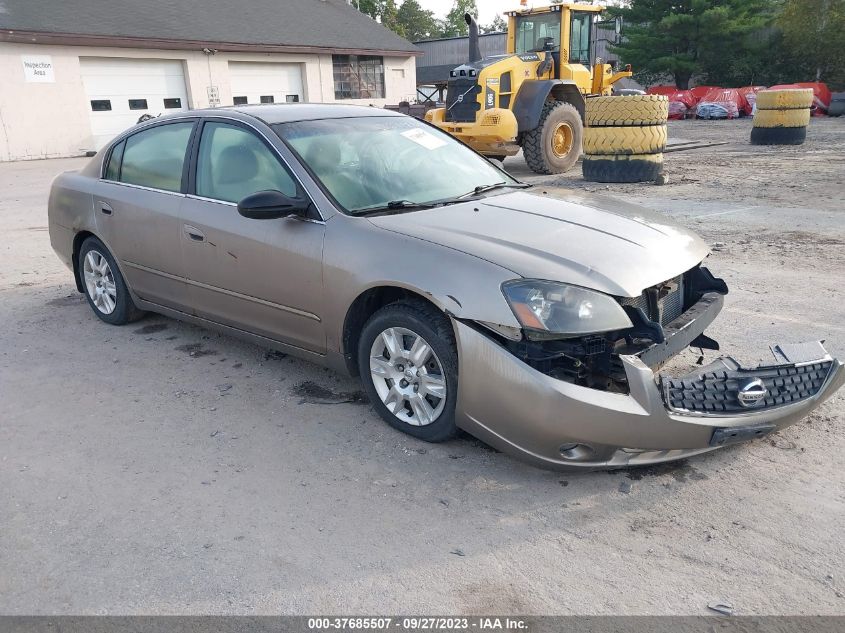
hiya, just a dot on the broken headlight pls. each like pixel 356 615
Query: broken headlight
pixel 547 309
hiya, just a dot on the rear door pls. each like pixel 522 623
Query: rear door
pixel 138 206
pixel 262 276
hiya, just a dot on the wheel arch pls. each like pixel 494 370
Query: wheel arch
pixel 365 305
pixel 533 94
pixel 78 240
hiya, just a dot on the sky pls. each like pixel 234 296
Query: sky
pixel 487 9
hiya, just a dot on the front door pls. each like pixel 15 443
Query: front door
pixel 137 208
pixel 262 276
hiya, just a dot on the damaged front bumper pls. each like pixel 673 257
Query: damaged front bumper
pixel 557 424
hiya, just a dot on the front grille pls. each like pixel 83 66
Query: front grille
pixel 461 101
pixel 669 306
pixel 716 391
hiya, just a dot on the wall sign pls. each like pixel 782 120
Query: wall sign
pixel 213 96
pixel 38 68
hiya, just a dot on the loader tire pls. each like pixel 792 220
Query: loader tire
pixel 627 110
pixel 554 145
pixel 787 99
pixel 782 118
pixel 641 168
pixel 611 141
pixel 778 135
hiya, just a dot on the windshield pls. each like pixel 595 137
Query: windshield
pixel 532 31
pixel 368 163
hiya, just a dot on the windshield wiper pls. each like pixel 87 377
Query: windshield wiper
pixel 496 185
pixel 397 205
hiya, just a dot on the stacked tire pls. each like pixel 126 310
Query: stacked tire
pixel 624 138
pixel 837 104
pixel 782 117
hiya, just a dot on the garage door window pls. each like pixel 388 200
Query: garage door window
pixel 175 102
pixel 100 105
pixel 234 163
pixel 155 157
pixel 137 104
pixel 358 76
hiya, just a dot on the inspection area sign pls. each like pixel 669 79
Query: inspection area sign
pixel 38 68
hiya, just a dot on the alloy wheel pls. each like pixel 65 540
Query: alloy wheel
pixel 408 376
pixel 99 282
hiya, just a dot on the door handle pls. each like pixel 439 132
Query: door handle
pixel 194 233
pixel 105 207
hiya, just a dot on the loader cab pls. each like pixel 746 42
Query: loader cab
pixel 538 30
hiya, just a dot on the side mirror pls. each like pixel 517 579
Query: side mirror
pixel 271 205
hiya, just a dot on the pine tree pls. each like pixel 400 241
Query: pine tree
pixel 717 39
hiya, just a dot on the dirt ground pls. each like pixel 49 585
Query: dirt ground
pixel 161 468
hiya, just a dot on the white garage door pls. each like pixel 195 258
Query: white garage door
pixel 120 90
pixel 260 82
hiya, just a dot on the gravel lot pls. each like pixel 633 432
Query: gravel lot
pixel 161 468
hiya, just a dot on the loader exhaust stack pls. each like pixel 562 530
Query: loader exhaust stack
pixel 474 48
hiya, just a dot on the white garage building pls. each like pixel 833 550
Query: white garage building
pixel 75 73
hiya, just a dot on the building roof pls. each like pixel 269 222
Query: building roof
pixel 266 25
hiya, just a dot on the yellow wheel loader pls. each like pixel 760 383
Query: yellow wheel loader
pixel 533 97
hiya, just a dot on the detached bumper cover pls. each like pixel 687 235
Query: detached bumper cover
pixel 519 410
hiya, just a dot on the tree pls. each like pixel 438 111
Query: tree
pixel 455 25
pixel 814 38
pixel 684 38
pixel 390 17
pixel 418 23
pixel 383 11
pixel 497 25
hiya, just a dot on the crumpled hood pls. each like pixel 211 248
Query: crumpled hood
pixel 561 235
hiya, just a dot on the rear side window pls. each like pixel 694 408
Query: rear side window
pixel 234 163
pixel 155 157
pixel 113 168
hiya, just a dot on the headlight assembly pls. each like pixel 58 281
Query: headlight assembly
pixel 547 309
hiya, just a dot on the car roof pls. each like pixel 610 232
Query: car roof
pixel 288 112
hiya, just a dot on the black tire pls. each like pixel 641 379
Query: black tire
pixel 537 143
pixel 622 168
pixel 778 135
pixel 124 310
pixel 433 326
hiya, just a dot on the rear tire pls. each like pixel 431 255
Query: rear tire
pixel 104 286
pixel 642 168
pixel 614 141
pixel 412 388
pixel 782 118
pixel 554 146
pixel 787 98
pixel 778 135
pixel 627 110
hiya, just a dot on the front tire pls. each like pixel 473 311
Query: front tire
pixel 104 286
pixel 408 363
pixel 554 146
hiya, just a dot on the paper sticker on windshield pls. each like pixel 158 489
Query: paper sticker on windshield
pixel 421 137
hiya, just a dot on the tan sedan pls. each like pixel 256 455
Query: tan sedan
pixel 533 318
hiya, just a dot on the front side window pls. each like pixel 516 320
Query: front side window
pixel 234 163
pixel 534 32
pixel 155 157
pixel 579 38
pixel 369 162
pixel 358 76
